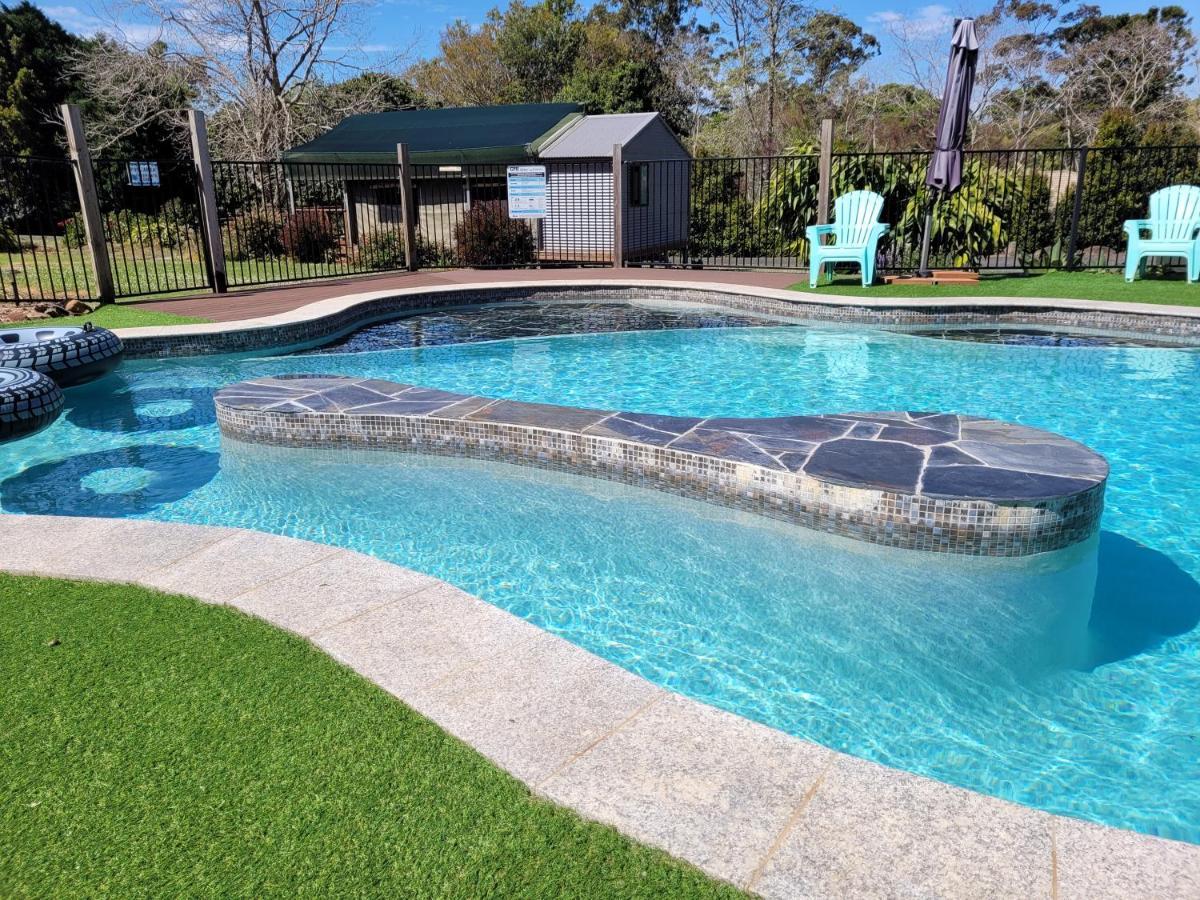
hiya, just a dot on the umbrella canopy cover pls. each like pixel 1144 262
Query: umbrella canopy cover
pixel 945 168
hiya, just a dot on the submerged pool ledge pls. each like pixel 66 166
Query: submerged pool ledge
pixel 921 481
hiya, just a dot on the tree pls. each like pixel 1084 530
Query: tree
pixel 34 80
pixel 134 100
pixel 829 46
pixel 260 60
pixel 757 60
pixel 1138 62
pixel 612 72
pixel 539 44
pixel 468 71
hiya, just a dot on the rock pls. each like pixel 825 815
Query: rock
pixel 30 312
pixel 79 307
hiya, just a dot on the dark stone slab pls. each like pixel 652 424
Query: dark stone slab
pixel 725 445
pixel 948 455
pixel 799 428
pixel 885 465
pixel 353 394
pixel 543 415
pixel 1053 457
pixel 916 435
pixel 632 430
pixel 672 424
pixel 988 483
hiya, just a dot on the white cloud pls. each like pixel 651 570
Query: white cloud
pixel 85 23
pixel 925 21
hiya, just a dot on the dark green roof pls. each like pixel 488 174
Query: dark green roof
pixel 439 136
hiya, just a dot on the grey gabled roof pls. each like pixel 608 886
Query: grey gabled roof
pixel 593 137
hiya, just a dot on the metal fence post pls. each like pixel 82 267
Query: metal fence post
pixel 1073 240
pixel 407 208
pixel 89 203
pixel 824 171
pixel 210 226
pixel 618 192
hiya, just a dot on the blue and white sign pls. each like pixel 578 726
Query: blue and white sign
pixel 527 192
pixel 144 174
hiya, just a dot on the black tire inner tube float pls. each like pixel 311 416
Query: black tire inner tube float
pixel 29 401
pixel 68 354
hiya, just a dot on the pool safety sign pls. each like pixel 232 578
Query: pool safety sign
pixel 527 192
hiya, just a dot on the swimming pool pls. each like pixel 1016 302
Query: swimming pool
pixel 1064 681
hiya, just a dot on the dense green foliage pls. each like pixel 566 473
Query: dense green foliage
pixel 33 52
pixel 160 747
pixel 253 235
pixel 993 209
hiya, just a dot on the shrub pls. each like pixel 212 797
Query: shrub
pixel 9 241
pixel 486 236
pixel 74 234
pixel 385 250
pixel 310 235
pixel 253 236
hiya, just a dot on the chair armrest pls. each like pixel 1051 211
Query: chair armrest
pixel 816 231
pixel 1135 227
pixel 880 229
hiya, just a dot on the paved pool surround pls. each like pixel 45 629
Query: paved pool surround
pixel 773 814
pixel 327 320
pixel 914 480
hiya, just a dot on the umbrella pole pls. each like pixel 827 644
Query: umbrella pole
pixel 924 271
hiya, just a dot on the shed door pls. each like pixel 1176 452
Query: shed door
pixel 579 214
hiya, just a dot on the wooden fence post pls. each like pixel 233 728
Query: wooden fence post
pixel 407 208
pixel 210 226
pixel 824 171
pixel 618 192
pixel 1076 207
pixel 89 203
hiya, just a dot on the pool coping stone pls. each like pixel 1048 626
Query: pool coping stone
pixel 325 320
pixel 772 814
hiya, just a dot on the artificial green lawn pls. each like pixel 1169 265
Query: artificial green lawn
pixel 1077 285
pixel 154 746
pixel 113 315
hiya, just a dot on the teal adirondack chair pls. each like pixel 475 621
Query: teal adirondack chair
pixel 1173 229
pixel 856 231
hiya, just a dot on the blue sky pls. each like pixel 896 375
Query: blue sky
pixel 413 26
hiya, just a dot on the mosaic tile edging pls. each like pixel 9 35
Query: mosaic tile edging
pixel 329 319
pixel 773 814
pixel 723 463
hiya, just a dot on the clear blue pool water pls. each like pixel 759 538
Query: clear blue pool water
pixel 1069 682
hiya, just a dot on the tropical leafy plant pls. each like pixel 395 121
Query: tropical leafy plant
pixel 975 222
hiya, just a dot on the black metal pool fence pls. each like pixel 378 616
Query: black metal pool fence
pixel 278 222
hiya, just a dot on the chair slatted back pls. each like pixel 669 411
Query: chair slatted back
pixel 1175 213
pixel 854 215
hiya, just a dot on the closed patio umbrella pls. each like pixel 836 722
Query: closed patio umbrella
pixel 945 167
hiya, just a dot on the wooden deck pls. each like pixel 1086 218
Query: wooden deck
pixel 249 304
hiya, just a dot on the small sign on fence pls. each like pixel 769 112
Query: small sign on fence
pixel 527 192
pixel 143 174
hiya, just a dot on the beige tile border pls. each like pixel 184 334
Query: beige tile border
pixel 770 813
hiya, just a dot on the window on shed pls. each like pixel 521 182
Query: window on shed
pixel 639 184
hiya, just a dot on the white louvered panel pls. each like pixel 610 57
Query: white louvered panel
pixel 579 216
